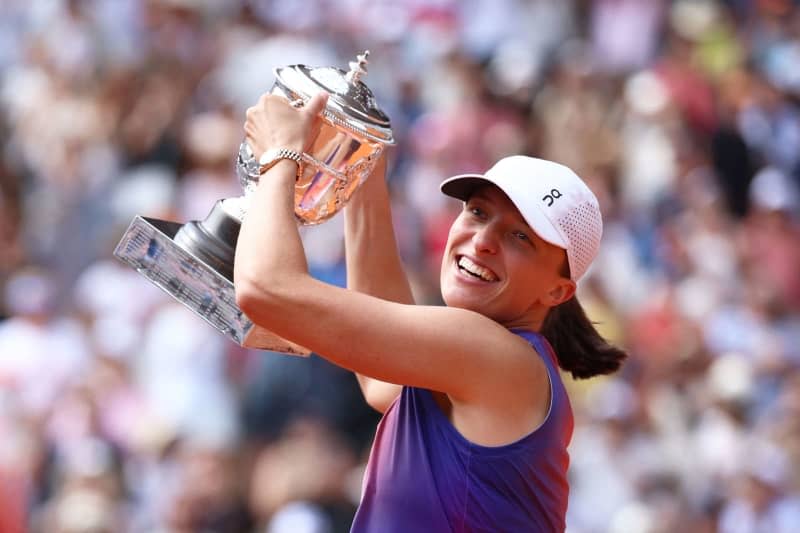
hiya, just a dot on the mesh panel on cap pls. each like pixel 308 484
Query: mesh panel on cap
pixel 583 226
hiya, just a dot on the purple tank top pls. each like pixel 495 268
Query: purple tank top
pixel 424 476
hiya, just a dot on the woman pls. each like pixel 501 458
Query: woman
pixel 476 419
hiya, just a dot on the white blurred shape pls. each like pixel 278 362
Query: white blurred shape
pixel 772 190
pixel 731 377
pixel 634 516
pixel 645 93
pixel 144 190
pixel 299 517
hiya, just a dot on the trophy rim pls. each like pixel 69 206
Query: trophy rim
pixel 366 123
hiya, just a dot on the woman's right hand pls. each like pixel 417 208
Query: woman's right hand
pixel 274 123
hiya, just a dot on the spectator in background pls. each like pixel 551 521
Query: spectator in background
pixel 678 114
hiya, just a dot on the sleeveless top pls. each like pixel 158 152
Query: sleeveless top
pixel 424 476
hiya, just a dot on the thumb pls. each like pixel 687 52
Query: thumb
pixel 316 104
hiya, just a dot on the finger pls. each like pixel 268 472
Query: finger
pixel 316 104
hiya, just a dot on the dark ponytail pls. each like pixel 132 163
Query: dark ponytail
pixel 579 347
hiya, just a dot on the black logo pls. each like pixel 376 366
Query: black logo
pixel 550 198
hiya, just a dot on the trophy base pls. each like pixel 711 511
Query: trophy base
pixel 149 246
pixel 213 240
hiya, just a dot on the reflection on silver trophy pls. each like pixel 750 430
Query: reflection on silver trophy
pixel 194 262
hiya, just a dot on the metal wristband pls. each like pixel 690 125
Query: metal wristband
pixel 271 157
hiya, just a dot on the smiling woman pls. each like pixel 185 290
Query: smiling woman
pixel 496 265
pixel 476 418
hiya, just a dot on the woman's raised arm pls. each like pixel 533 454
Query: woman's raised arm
pixel 462 353
pixel 373 263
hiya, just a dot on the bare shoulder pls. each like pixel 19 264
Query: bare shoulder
pixel 519 371
pixel 511 404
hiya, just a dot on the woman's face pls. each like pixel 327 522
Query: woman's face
pixel 496 265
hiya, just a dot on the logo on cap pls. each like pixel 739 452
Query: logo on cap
pixel 551 198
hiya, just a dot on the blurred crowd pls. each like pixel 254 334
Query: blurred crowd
pixel 120 411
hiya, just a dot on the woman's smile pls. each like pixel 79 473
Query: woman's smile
pixel 474 270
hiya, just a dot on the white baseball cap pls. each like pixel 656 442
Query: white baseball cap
pixel 552 199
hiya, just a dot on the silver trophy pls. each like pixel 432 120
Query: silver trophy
pixel 194 261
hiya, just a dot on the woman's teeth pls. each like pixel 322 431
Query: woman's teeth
pixel 468 266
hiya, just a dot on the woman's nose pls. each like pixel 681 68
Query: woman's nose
pixel 485 240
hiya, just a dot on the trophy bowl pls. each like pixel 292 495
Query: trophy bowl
pixel 353 133
pixel 193 262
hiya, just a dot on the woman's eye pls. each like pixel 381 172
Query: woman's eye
pixel 522 236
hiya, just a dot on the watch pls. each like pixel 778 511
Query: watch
pixel 272 156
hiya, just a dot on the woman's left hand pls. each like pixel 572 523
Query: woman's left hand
pixel 274 123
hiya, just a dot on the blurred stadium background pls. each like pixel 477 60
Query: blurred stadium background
pixel 122 412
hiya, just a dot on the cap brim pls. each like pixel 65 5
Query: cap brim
pixel 463 185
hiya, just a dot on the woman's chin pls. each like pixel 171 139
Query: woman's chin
pixel 464 301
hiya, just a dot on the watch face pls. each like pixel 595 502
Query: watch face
pixel 267 157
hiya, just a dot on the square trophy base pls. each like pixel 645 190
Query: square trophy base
pixel 148 246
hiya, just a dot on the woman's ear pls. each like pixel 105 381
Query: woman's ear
pixel 563 291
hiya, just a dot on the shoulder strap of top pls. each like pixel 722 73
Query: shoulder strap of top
pixel 541 346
